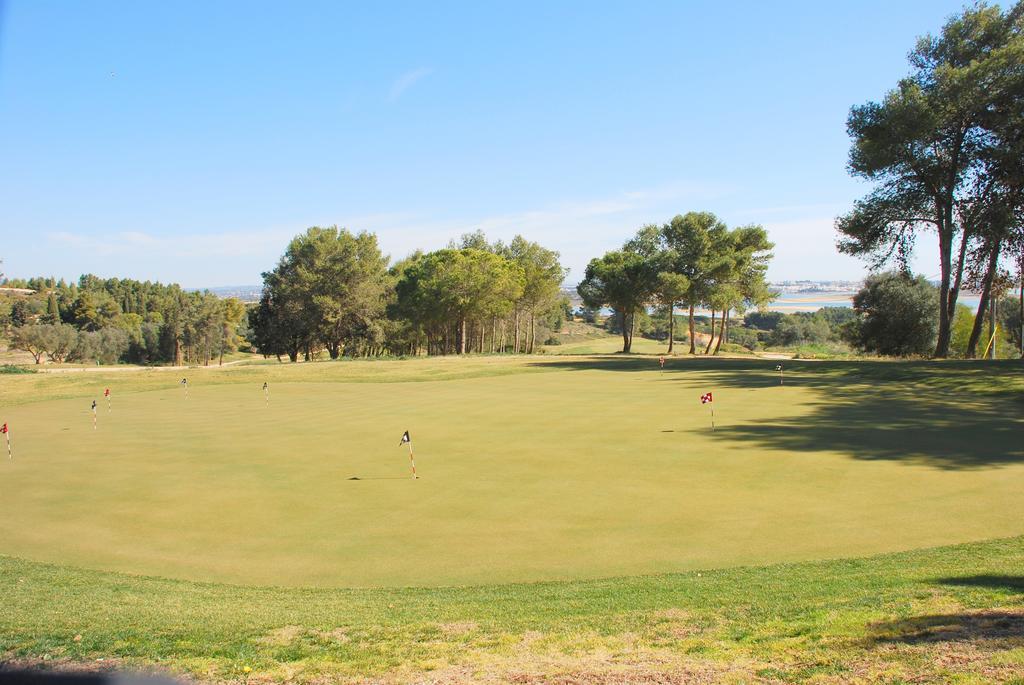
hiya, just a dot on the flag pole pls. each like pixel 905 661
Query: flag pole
pixel 412 462
pixel 712 416
pixel 94 415
pixel 7 434
pixel 266 393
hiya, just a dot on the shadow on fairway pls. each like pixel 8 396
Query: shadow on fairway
pixel 1012 584
pixel 379 478
pixel 962 627
pixel 949 415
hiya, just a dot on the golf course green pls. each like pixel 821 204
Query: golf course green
pixel 530 470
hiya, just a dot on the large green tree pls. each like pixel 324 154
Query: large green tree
pixel 623 280
pixel 922 147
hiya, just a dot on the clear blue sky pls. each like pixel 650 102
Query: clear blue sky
pixel 189 141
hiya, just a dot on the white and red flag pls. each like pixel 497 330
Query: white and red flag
pixel 407 440
pixel 705 398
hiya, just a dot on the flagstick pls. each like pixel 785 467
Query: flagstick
pixel 266 393
pixel 108 404
pixel 10 455
pixel 712 418
pixel 782 376
pixel 94 418
pixel 412 462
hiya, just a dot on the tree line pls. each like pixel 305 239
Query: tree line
pixel 692 261
pixel 945 151
pixel 110 320
pixel 334 290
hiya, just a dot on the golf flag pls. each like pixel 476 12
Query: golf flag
pixel 779 367
pixel 266 391
pixel 94 414
pixel 3 428
pixel 407 440
pixel 707 399
pixel 106 393
pixel 782 379
pixel 7 434
pixel 661 361
pixel 184 383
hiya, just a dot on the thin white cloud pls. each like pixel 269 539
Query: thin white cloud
pixel 199 245
pixel 406 81
pixel 579 229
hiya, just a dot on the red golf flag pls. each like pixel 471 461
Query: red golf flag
pixel 705 398
pixel 3 428
pixel 106 392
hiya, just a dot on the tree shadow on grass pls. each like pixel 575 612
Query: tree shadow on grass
pixel 948 415
pixel 976 627
pixel 1013 584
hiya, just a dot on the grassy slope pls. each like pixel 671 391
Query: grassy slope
pixel 951 614
pixel 597 468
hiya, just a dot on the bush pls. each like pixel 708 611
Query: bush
pixel 12 369
pixel 896 315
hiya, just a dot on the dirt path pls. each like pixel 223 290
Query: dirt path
pixel 119 368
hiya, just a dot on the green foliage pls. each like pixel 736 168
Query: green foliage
pixel 963 321
pixel 944 151
pixel 13 369
pixel 895 315
pixel 161 323
pixel 333 290
pixel 624 281
pixel 765 321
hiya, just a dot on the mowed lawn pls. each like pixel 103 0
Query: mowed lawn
pixel 531 469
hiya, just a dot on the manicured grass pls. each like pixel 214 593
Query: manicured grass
pixel 530 469
pixel 572 469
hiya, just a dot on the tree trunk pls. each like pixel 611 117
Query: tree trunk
pixel 693 348
pixel 707 349
pixel 945 273
pixel 721 329
pixel 515 347
pixel 533 332
pixel 627 343
pixel 462 336
pixel 986 292
pixel 993 312
pixel 177 352
pixel 954 292
pixel 671 326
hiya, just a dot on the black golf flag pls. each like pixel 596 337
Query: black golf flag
pixel 405 438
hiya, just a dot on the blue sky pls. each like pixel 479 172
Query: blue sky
pixel 189 141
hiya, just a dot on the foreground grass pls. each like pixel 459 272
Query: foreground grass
pixel 952 614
